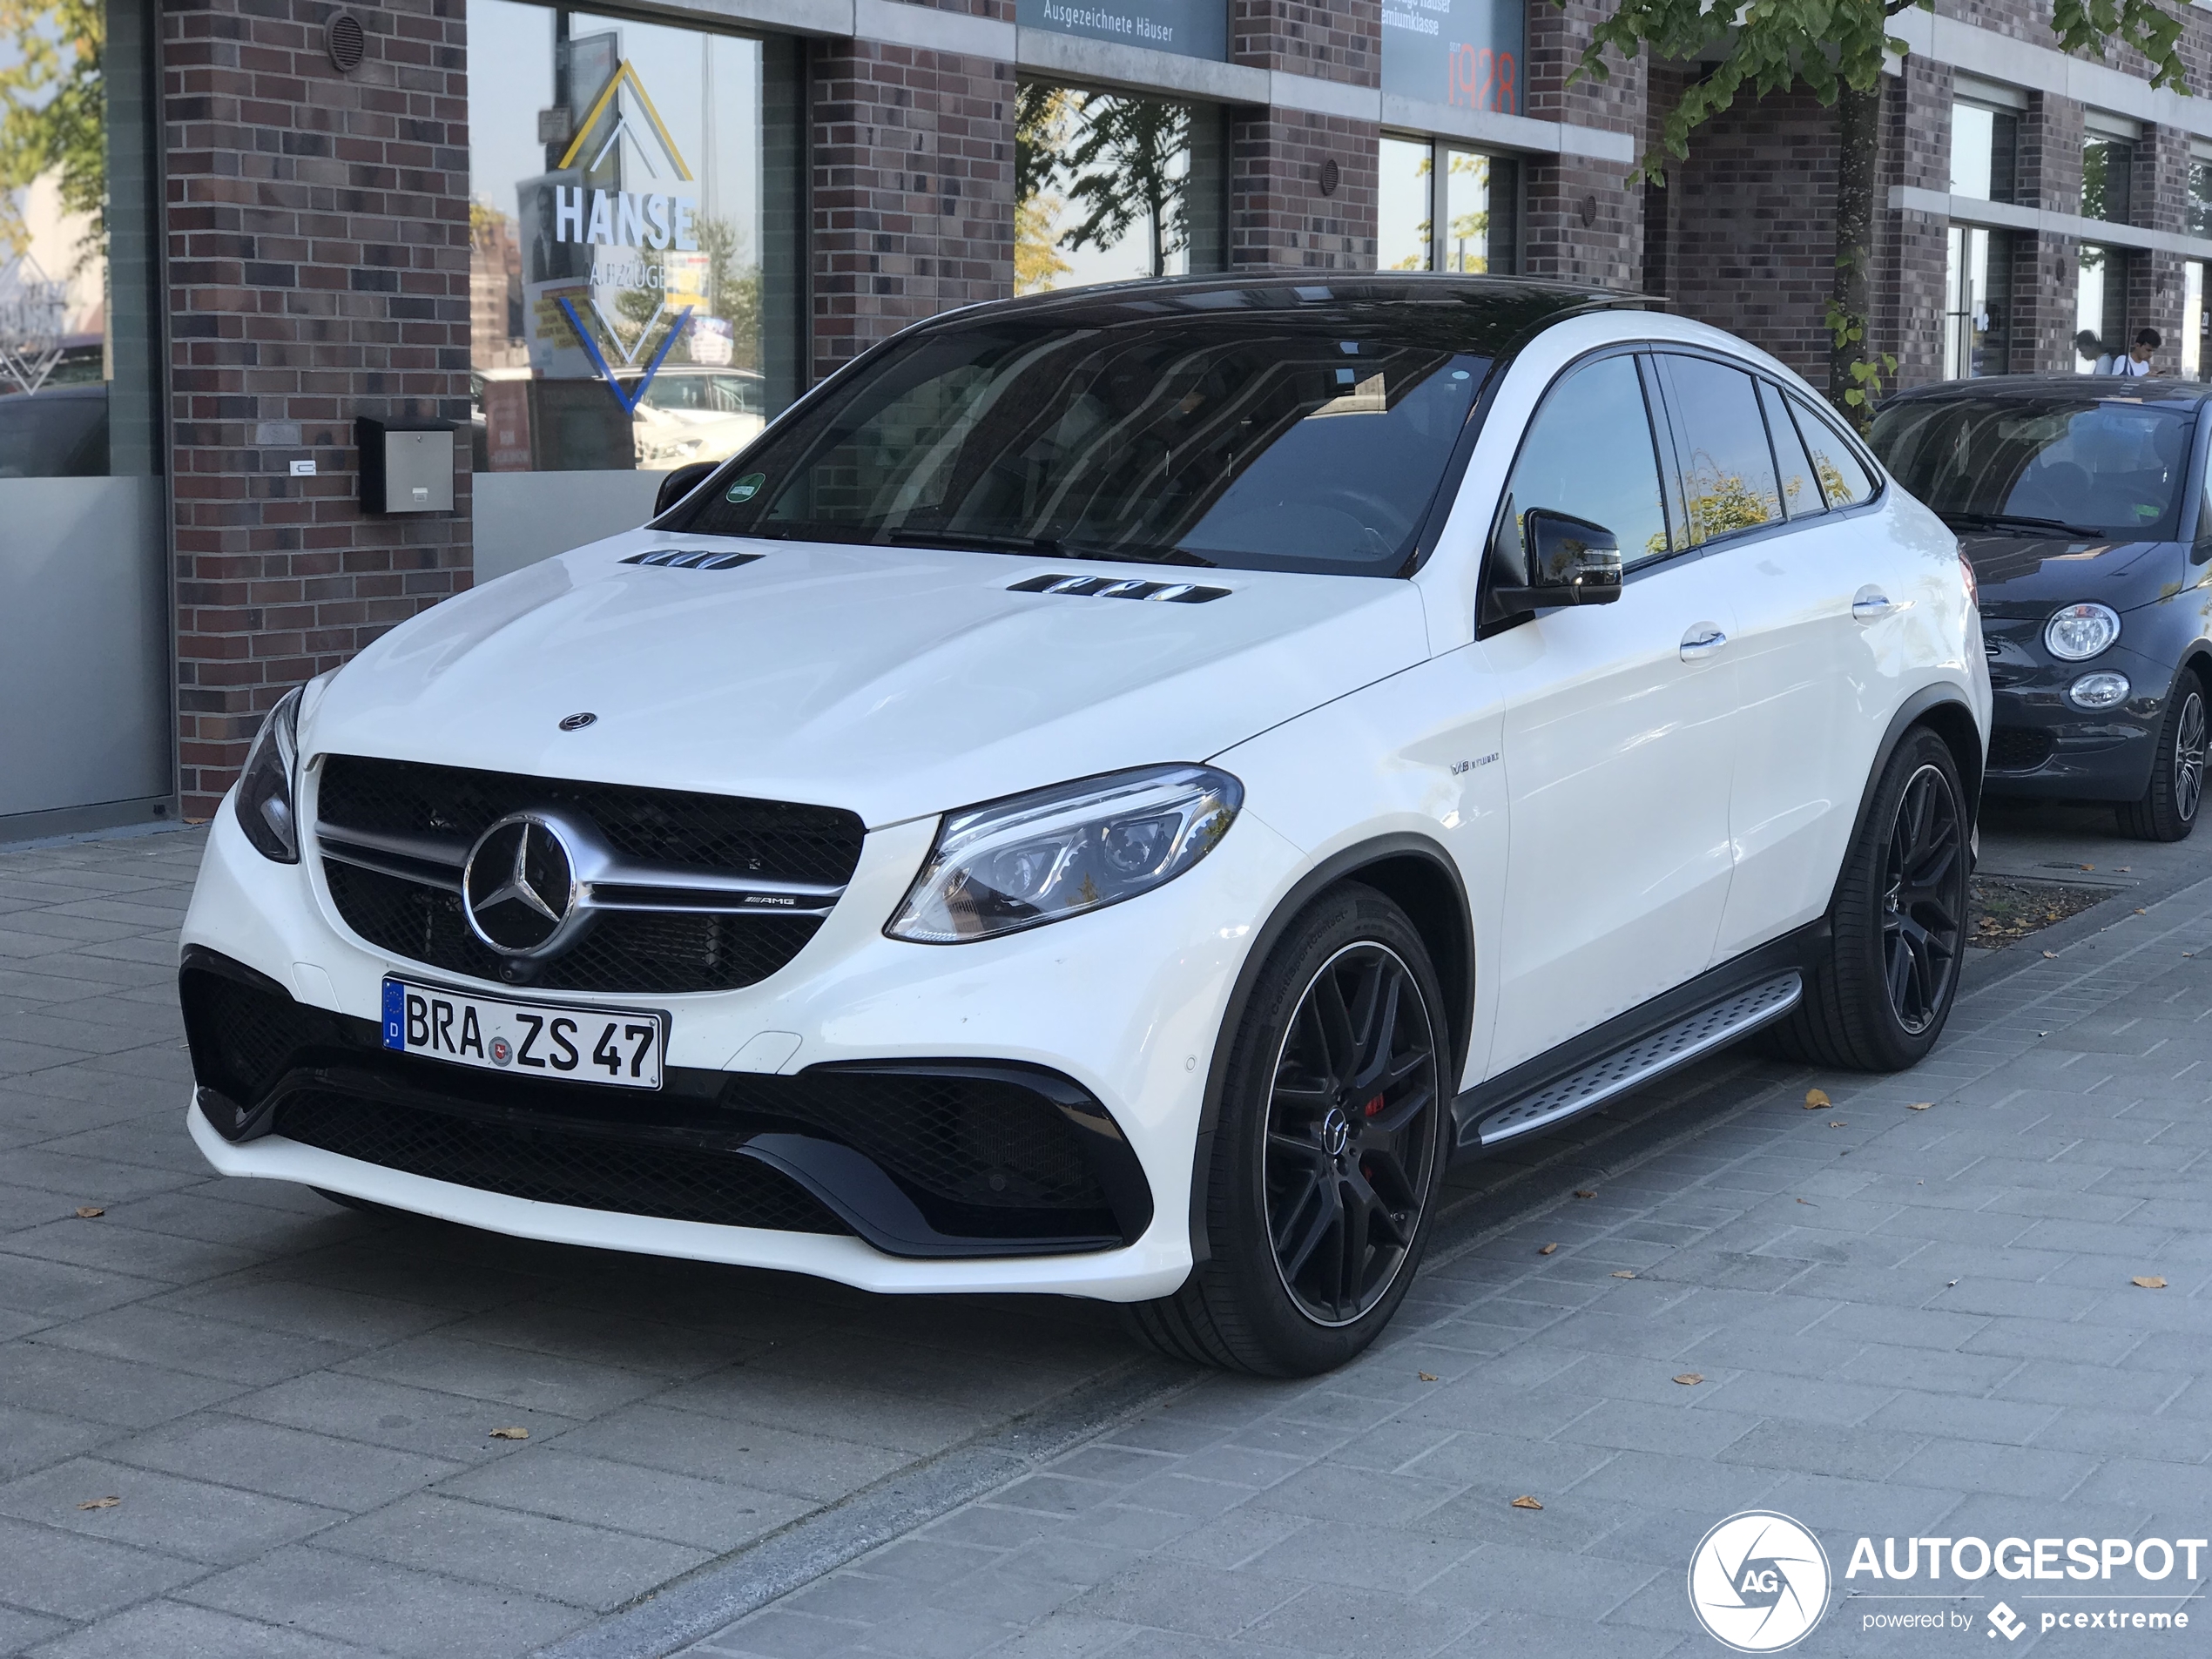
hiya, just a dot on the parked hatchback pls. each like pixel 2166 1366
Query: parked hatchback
pixel 2080 501
pixel 1108 796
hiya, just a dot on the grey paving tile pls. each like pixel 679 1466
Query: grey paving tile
pixel 265 1457
pixel 20 1631
pixel 656 1503
pixel 72 1577
pixel 1199 1601
pixel 31 1440
pixel 449 1426
pixel 39 1377
pixel 195 1519
pixel 177 1628
pixel 424 1616
pixel 204 1347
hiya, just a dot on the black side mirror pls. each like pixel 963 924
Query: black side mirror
pixel 674 486
pixel 1571 561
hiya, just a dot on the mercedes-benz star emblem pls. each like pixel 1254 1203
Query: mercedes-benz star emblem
pixel 577 722
pixel 519 886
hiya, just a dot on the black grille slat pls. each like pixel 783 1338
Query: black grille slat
pixel 589 1172
pixel 2016 749
pixel 660 952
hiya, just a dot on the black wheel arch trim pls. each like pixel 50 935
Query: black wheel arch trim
pixel 1458 977
pixel 1948 705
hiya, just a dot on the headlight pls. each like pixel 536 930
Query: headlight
pixel 2079 632
pixel 2098 691
pixel 1031 859
pixel 268 786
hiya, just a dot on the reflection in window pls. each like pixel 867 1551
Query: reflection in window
pixel 76 340
pixel 1727 471
pixel 2106 164
pixel 2200 202
pixel 1801 493
pixel 1406 231
pixel 1844 478
pixel 1469 192
pixel 1978 294
pixel 616 240
pixel 1110 186
pixel 2095 345
pixel 1983 143
pixel 2193 320
pixel 1596 410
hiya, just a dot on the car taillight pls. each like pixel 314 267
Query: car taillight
pixel 1966 574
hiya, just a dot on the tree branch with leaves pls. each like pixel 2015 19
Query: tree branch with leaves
pixel 1835 50
pixel 52 101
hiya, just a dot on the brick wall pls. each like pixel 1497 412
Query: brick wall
pixel 911 201
pixel 1911 249
pixel 1581 221
pixel 317 227
pixel 1278 159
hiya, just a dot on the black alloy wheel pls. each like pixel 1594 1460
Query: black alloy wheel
pixel 1351 1134
pixel 1924 903
pixel 1317 1182
pixel 1876 994
pixel 2168 810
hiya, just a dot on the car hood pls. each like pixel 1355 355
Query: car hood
pixel 2031 576
pixel 895 682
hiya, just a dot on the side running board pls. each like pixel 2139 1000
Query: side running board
pixel 1637 1062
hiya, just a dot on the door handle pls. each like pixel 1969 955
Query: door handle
pixel 1871 605
pixel 1702 641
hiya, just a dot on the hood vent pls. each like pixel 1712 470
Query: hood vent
pixel 684 558
pixel 1107 587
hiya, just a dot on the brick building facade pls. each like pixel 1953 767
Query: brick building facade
pixel 336 245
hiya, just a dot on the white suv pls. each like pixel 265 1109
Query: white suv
pixel 1109 795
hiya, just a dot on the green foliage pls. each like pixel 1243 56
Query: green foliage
pixel 1866 379
pixel 1121 162
pixel 1770 46
pixel 51 108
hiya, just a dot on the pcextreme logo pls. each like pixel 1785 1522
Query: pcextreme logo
pixel 646 221
pixel 1758 1581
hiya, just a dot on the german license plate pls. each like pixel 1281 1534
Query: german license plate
pixel 619 1046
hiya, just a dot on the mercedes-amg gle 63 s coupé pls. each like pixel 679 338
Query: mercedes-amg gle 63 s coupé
pixel 1109 794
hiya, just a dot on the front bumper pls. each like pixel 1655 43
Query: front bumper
pixel 2042 747
pixel 1121 1008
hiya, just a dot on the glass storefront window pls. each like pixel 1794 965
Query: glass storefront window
pixel 625 274
pixel 2193 319
pixel 2199 209
pixel 1405 231
pixel 76 319
pixel 1112 187
pixel 2098 268
pixel 1477 226
pixel 1983 145
pixel 1978 285
pixel 2106 164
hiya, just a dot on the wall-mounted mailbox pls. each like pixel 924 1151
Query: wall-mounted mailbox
pixel 406 466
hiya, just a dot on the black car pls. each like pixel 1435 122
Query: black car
pixel 2079 501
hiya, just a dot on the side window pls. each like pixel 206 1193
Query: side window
pixel 1728 481
pixel 1844 478
pixel 1801 495
pixel 1589 454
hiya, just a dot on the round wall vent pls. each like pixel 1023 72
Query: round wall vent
pixel 1332 176
pixel 343 39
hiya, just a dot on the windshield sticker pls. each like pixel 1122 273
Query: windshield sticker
pixel 747 486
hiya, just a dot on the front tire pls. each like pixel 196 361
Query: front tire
pixel 1328 1152
pixel 1880 999
pixel 2168 810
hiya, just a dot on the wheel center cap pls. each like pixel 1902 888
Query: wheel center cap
pixel 1336 1132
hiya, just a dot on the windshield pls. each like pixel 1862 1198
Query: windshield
pixel 2048 465
pixel 1287 442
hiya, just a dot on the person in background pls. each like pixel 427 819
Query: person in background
pixel 2093 352
pixel 2136 364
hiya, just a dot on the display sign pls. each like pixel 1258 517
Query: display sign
pixel 1464 53
pixel 1190 28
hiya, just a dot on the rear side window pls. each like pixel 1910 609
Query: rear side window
pixel 1844 478
pixel 1728 478
pixel 1801 492
pixel 1589 454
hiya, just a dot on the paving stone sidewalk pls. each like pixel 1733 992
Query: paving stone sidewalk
pixel 1905 1322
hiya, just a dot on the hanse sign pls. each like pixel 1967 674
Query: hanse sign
pixel 1464 53
pixel 1188 27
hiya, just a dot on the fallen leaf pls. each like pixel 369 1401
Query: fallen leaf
pixel 2151 1283
pixel 1690 1379
pixel 1951 1284
pixel 1623 1272
pixel 2140 911
pixel 1809 1203
pixel 88 1212
pixel 510 1434
pixel 1424 1376
pixel 1584 1192
pixel 2124 869
pixel 1524 1502
pixel 1837 1123
pixel 2088 867
pixel 1919 1106
pixel 2050 956
pixel 108 1502
pixel 1817 1098
pixel 1547 1250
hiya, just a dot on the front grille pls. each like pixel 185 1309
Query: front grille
pixel 2015 749
pixel 590 1172
pixel 661 952
pixel 993 1158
